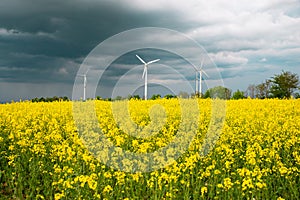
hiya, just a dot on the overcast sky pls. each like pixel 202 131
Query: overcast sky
pixel 43 43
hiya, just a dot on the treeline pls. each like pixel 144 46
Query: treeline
pixel 50 99
pixel 137 97
pixel 280 86
pixel 284 85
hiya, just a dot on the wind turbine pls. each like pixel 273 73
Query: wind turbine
pixel 84 83
pixel 199 84
pixel 145 73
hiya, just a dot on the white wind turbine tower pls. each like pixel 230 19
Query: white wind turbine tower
pixel 84 83
pixel 145 73
pixel 199 80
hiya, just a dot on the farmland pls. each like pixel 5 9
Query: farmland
pixel 256 155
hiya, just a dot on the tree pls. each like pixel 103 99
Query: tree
pixel 251 91
pixel 156 96
pixel 50 99
pixel 55 98
pixel 263 89
pixel 35 99
pixel 42 99
pixel 133 97
pixel 218 92
pixel 136 97
pixel 238 95
pixel 284 84
pixel 183 95
pixel 65 98
pixel 169 96
pixel 118 98
pixel 206 94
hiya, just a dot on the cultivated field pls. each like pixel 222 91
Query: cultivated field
pixel 257 154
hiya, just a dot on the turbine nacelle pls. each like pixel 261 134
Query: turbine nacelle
pixel 198 70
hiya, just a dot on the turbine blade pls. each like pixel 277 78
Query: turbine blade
pixel 195 68
pixel 87 71
pixel 140 59
pixel 201 64
pixel 144 71
pixel 205 73
pixel 153 61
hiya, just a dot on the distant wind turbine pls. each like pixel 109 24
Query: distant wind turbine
pixel 84 83
pixel 145 73
pixel 199 79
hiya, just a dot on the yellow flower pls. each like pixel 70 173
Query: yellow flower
pixel 203 190
pixel 227 183
pixel 39 196
pixel 247 184
pixel 107 175
pixel 260 185
pixel 280 198
pixel 107 189
pixel 257 143
pixel 58 196
pixel 136 176
pixel 283 170
pixel 11 147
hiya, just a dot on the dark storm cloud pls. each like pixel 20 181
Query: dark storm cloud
pixel 83 23
pixel 45 41
pixel 128 61
pixel 53 31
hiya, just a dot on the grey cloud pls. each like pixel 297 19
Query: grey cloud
pixel 46 41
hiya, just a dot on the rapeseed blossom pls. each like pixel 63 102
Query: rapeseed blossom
pixel 44 154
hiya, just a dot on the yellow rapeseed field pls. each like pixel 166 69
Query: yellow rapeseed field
pixel 48 152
